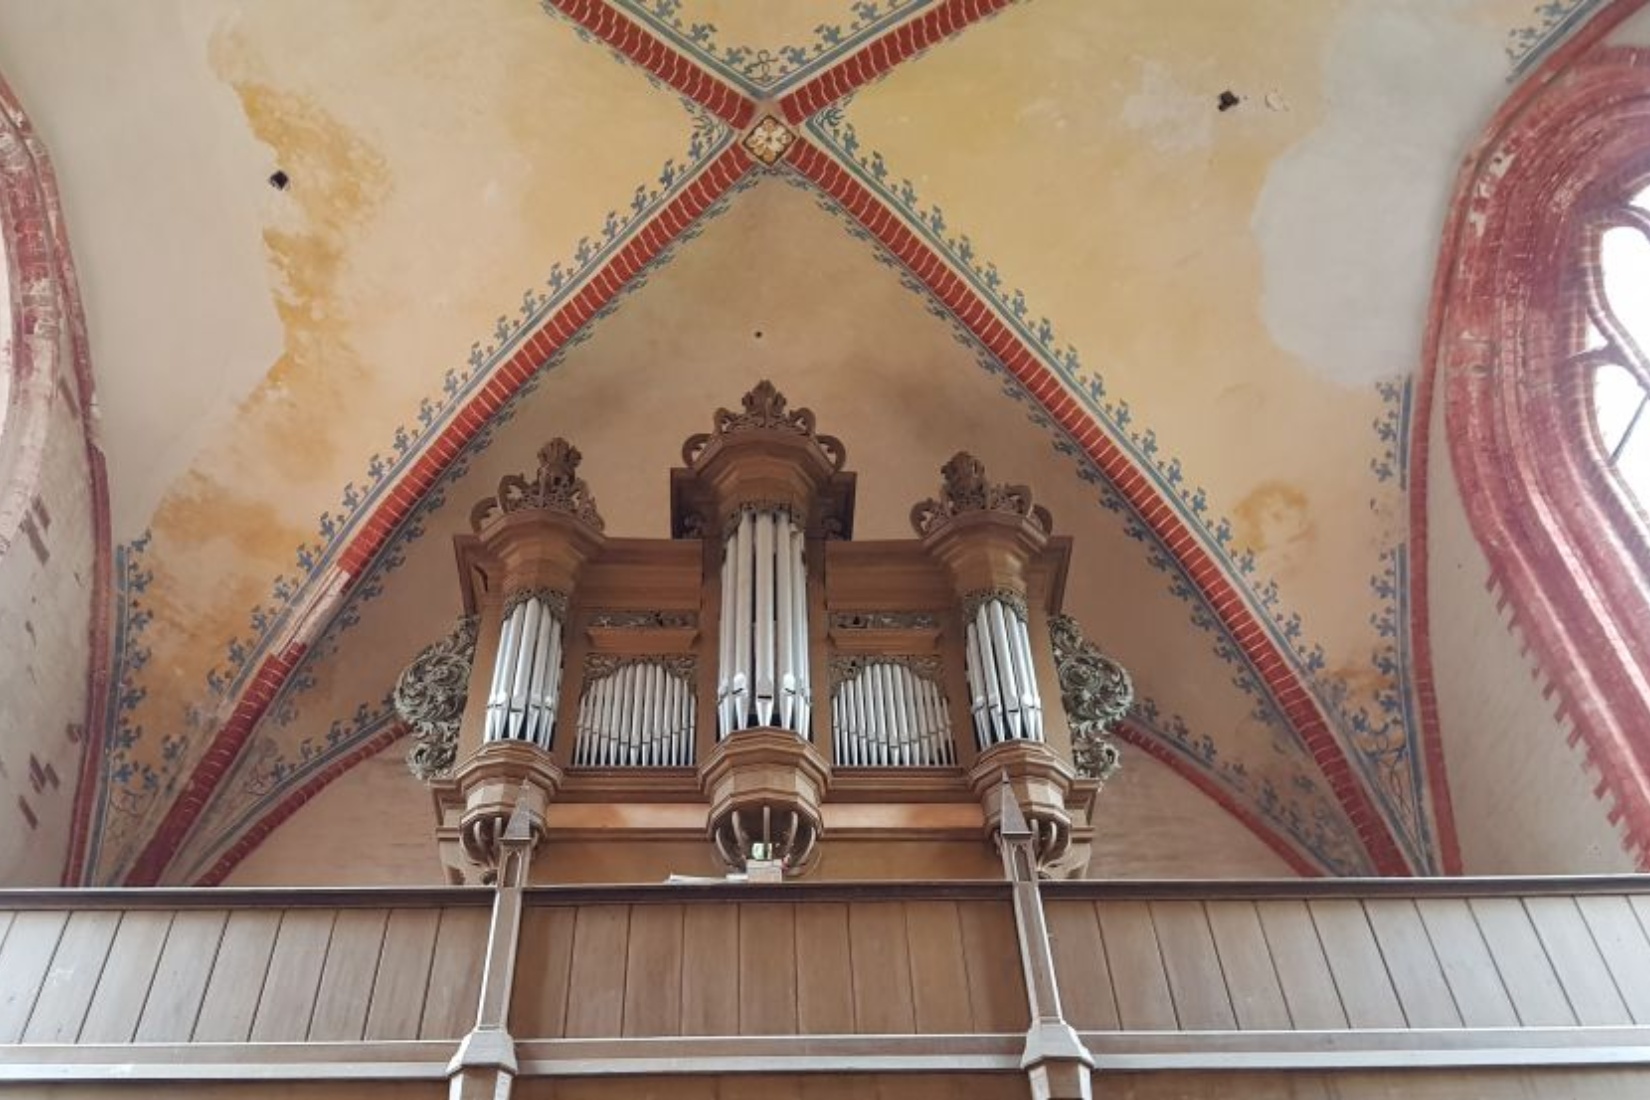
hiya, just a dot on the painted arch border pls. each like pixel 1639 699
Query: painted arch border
pixel 1568 552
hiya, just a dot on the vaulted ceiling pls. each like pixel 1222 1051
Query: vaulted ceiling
pixel 1168 264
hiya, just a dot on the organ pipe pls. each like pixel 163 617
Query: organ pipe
pixel 639 715
pixel 521 703
pixel 1001 676
pixel 886 715
pixel 762 679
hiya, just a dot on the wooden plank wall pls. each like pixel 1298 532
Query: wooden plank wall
pixel 1345 962
pixel 769 968
pixel 221 975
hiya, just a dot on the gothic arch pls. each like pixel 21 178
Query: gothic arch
pixel 1568 550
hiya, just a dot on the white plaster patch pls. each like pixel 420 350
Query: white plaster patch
pixel 1632 31
pixel 1174 118
pixel 1349 219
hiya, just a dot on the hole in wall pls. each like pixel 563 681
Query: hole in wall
pixel 1227 100
pixel 279 180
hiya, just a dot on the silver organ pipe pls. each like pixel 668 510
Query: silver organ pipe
pixel 762 679
pixel 1001 676
pixel 887 715
pixel 636 715
pixel 521 704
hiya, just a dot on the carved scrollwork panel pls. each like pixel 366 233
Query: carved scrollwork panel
pixel 1097 693
pixel 429 697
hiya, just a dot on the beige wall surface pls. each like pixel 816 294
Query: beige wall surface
pixel 46 580
pixel 1525 800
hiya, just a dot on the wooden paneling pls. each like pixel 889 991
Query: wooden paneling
pixel 824 975
pixel 1303 972
pixel 1355 961
pixel 1528 977
pixel 545 961
pixel 996 983
pixel 237 979
pixel 653 971
pixel 1196 982
pixel 939 971
pixel 455 974
pixel 294 976
pixel 883 1001
pixel 595 988
pixel 403 975
pixel 1137 973
pixel 1080 963
pixel 186 962
pixel 1246 961
pixel 66 994
pixel 1581 969
pixel 345 991
pixel 1473 979
pixel 710 974
pixel 767 969
pixel 1625 947
pixel 1417 976
pixel 31 941
pixel 128 973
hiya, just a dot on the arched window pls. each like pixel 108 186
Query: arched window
pixel 1613 261
pixel 1541 348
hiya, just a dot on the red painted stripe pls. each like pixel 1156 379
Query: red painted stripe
pixel 1263 829
pixel 674 69
pixel 1235 615
pixel 293 802
pixel 686 208
pixel 882 53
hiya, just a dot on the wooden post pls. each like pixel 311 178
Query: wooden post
pixel 1055 1059
pixel 484 1068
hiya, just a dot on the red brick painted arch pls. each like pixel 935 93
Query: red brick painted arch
pixel 1569 551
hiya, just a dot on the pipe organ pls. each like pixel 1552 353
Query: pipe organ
pixel 680 673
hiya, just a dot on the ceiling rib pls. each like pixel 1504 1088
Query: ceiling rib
pixel 533 349
pixel 882 53
pixel 685 76
pixel 1288 689
pixel 681 73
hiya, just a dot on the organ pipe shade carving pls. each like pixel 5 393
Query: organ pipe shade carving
pixel 636 713
pixel 890 712
pixel 1096 692
pixel 762 672
pixel 429 697
pixel 1002 681
pixel 521 703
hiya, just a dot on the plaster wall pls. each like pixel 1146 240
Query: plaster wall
pixel 1524 795
pixel 46 577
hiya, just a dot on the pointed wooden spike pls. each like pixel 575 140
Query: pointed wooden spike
pixel 1011 821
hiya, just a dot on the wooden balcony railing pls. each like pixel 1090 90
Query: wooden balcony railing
pixel 925 979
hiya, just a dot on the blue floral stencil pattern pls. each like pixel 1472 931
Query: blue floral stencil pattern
pixel 131 788
pixel 1554 19
pixel 762 72
pixel 270 766
pixel 1376 732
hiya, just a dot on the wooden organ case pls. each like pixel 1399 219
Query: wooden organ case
pixel 760 694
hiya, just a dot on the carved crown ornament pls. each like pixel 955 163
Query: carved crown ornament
pixel 964 488
pixel 764 408
pixel 429 697
pixel 1097 693
pixel 555 488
